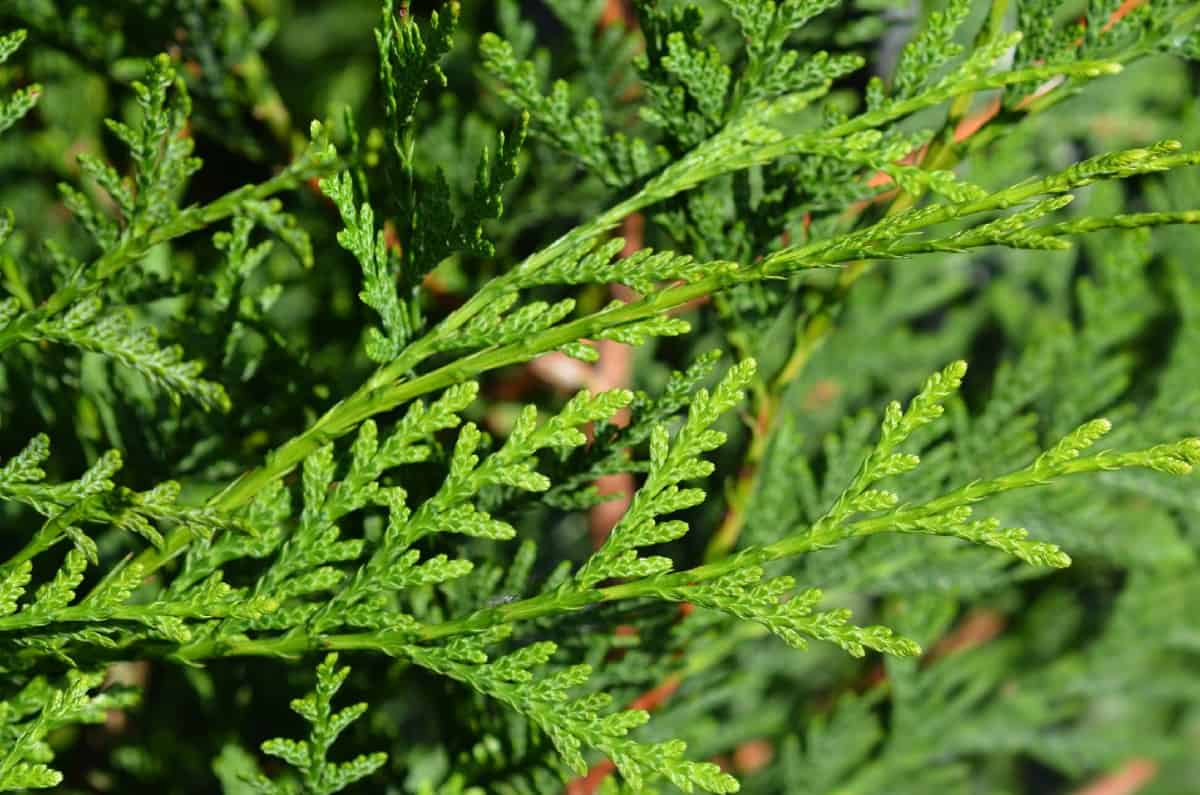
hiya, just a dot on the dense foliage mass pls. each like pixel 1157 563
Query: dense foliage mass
pixel 572 396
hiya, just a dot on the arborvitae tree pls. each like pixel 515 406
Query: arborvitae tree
pixel 499 374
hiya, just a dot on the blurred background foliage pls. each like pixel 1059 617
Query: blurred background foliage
pixel 1035 683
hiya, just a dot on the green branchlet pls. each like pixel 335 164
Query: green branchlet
pixel 318 775
pixel 40 708
pixel 672 461
pixel 572 724
pixel 16 105
pixel 373 544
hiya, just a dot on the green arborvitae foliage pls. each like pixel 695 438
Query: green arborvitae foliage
pixel 582 388
pixel 39 708
pixel 318 775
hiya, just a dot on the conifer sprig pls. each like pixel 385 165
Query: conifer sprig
pixel 38 709
pixel 318 775
pixel 889 238
pixel 16 105
pixel 422 516
pixel 86 309
pixel 572 724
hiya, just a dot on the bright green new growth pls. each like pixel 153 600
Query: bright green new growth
pixel 39 708
pixel 318 775
pixel 572 724
pixel 397 522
